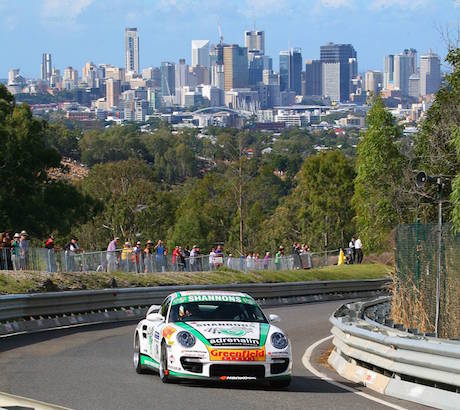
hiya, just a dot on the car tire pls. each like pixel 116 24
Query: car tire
pixel 163 370
pixel 280 384
pixel 137 356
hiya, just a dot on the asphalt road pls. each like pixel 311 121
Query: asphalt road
pixel 91 368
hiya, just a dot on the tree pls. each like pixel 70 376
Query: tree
pixel 318 206
pixel 29 199
pixel 379 172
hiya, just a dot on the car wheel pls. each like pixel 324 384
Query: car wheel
pixel 280 384
pixel 164 372
pixel 137 356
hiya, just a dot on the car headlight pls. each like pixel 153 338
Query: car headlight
pixel 279 340
pixel 186 339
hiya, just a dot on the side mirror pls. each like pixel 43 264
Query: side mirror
pixel 153 309
pixel 155 317
pixel 274 318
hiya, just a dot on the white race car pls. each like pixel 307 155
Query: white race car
pixel 216 335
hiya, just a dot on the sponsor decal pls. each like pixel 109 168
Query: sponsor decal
pixel 168 331
pixel 233 341
pixel 239 355
pixel 157 335
pixel 249 326
pixel 214 298
pixel 237 378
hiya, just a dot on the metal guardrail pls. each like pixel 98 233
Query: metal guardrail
pixel 399 364
pixel 54 305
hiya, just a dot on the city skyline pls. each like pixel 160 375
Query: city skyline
pixel 79 19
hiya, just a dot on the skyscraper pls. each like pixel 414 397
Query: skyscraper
pixel 430 73
pixel 46 67
pixel 254 41
pixel 132 49
pixel 291 70
pixel 345 56
pixel 374 82
pixel 168 80
pixel 200 53
pixel 388 70
pixel 112 92
pixel 313 77
pixel 235 67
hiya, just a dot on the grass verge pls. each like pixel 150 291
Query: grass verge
pixel 24 282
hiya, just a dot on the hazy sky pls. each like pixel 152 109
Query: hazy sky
pixel 76 31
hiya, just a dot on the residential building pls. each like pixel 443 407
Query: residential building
pixel 313 77
pixel 200 53
pixel 235 67
pixel 70 78
pixel 132 49
pixel 430 73
pixel 291 70
pixel 339 68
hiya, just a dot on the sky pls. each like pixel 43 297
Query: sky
pixel 77 31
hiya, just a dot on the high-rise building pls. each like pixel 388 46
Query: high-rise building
pixel 168 80
pixel 388 70
pixel 112 92
pixel 12 74
pixel 257 65
pixel 217 76
pixel 291 70
pixel 414 86
pixel 46 67
pixel 200 53
pixel 313 77
pixel 132 49
pixel 254 41
pixel 70 78
pixel 345 56
pixel 236 70
pixel 430 73
pixel 374 82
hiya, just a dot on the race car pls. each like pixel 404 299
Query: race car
pixel 204 335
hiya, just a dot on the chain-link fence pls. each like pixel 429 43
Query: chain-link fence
pixel 416 291
pixel 130 260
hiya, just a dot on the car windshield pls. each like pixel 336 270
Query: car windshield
pixel 216 311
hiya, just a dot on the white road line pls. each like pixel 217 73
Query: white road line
pixel 10 400
pixel 307 363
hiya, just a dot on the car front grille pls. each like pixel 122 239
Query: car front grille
pixel 249 370
pixel 191 365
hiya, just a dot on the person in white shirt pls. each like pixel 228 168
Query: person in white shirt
pixel 359 250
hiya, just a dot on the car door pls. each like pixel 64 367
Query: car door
pixel 157 328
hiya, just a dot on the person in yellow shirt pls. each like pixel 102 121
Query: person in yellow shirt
pixel 126 256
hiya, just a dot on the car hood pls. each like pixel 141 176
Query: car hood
pixel 231 333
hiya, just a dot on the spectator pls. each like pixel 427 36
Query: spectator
pixel 230 261
pixel 6 247
pixel 148 256
pixel 186 252
pixel 136 257
pixel 159 255
pixel 112 256
pixel 72 249
pixel 359 250
pixel 352 251
pixel 24 250
pixel 181 259
pixel 278 257
pixel 250 261
pixel 126 254
pixel 164 266
pixel 193 258
pixel 256 261
pixel 266 260
pixel 50 255
pixel 15 252
pixel 175 258
pixel 198 260
pixel 212 256
pixel 305 257
pixel 219 259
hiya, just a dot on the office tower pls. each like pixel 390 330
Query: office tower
pixel 235 67
pixel 374 82
pixel 411 53
pixel 388 70
pixel 70 78
pixel 402 73
pixel 345 56
pixel 168 81
pixel 217 76
pixel 12 74
pixel 291 70
pixel 181 74
pixel 46 67
pixel 430 73
pixel 116 73
pixel 414 86
pixel 254 41
pixel 313 77
pixel 257 65
pixel 132 49
pixel 200 53
pixel 112 92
